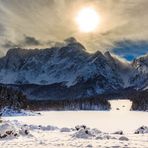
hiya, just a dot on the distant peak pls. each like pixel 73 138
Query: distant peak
pixel 144 57
pixel 107 53
pixel 13 50
pixel 97 53
pixel 70 40
pixel 74 44
pixel 19 51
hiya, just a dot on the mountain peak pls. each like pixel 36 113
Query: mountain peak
pixel 107 54
pixel 70 40
pixel 16 51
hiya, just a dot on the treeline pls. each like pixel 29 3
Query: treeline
pixel 94 103
pixel 12 98
pixel 140 101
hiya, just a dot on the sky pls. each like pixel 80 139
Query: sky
pixel 37 23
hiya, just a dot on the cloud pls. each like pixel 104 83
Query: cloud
pixel 31 41
pixel 54 20
pixel 9 44
pixel 130 49
pixel 27 41
pixel 2 30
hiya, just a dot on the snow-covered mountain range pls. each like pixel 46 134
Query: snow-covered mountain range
pixel 67 69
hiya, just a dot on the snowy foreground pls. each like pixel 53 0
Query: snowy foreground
pixel 116 129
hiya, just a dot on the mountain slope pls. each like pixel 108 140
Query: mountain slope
pixel 68 72
pixel 139 78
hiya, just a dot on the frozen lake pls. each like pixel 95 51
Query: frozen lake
pixel 119 118
pixel 120 105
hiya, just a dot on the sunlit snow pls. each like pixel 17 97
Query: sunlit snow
pixel 102 126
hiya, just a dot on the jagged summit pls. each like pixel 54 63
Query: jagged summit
pixel 107 54
pixel 70 40
pixel 15 51
pixel 140 74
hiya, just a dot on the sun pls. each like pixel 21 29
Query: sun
pixel 87 19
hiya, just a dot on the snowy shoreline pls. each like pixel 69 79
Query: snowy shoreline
pixel 14 133
pixel 70 129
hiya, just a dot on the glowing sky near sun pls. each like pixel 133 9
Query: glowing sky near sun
pixel 88 19
pixel 35 23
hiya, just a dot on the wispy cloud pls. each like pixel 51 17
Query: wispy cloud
pixel 31 41
pixel 27 41
pixel 54 20
pixel 130 49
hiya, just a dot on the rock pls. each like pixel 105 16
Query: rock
pixel 99 138
pixel 65 129
pixel 118 132
pixel 7 129
pixel 78 127
pixel 82 133
pixel 108 137
pixel 104 136
pixel 89 145
pixel 24 130
pixel 95 131
pixel 123 138
pixel 44 128
pixel 142 130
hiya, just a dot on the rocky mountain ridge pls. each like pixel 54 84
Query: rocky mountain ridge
pixel 69 68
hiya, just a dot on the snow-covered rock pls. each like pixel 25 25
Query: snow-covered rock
pixel 14 129
pixel 142 130
pixel 88 133
pixel 78 127
pixel 65 129
pixel 95 131
pixel 118 132
pixel 108 137
pixel 123 138
pixel 7 129
pixel 83 133
pixel 48 128
pixel 89 145
pixel 24 130
pixel 43 128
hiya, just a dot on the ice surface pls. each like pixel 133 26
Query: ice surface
pixel 115 120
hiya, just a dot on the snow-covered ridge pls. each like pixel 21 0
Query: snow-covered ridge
pixel 70 64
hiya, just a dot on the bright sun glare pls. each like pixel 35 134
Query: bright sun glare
pixel 88 20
